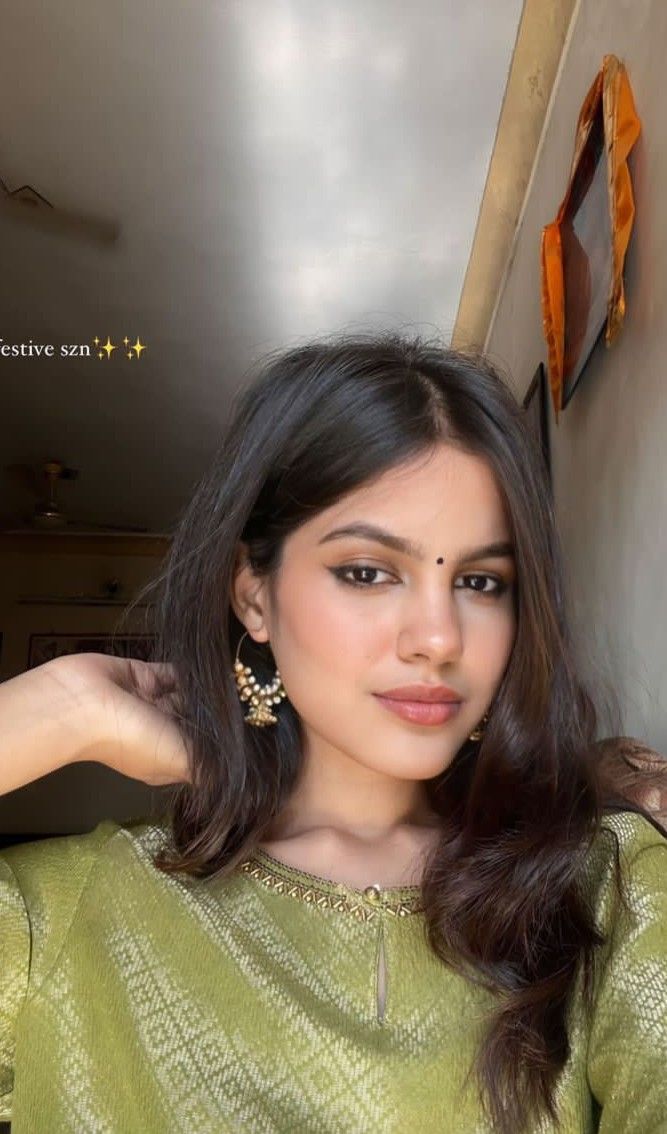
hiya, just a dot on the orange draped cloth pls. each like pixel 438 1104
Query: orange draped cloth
pixel 621 130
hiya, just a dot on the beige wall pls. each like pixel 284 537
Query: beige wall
pixel 72 799
pixel 609 451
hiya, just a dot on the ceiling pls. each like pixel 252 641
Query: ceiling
pixel 277 170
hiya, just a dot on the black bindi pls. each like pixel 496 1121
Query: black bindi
pixel 440 560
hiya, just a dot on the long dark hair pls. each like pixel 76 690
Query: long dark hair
pixel 521 807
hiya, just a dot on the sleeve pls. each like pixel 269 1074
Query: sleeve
pixel 14 969
pixel 40 886
pixel 627 1051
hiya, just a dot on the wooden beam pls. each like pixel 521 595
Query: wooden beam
pixel 537 53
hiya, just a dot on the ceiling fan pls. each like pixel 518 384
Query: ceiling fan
pixel 26 206
pixel 47 515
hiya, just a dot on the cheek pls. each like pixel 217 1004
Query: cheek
pixel 319 630
pixel 493 644
pixel 321 649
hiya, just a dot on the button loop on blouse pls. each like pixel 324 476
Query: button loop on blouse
pixel 373 895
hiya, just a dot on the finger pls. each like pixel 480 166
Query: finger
pixel 164 671
pixel 167 756
pixel 152 679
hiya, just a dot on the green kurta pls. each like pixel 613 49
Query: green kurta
pixel 132 1002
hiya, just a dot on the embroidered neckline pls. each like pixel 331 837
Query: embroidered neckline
pixel 312 889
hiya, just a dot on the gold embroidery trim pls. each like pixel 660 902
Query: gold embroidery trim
pixel 347 901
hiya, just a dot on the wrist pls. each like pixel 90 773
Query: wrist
pixel 76 710
pixel 45 723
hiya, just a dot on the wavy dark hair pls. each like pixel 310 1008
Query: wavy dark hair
pixel 520 808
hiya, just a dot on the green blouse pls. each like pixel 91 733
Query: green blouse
pixel 132 1002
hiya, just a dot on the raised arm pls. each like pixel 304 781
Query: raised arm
pixel 85 707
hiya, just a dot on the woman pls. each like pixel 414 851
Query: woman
pixel 394 890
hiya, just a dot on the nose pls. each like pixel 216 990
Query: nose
pixel 431 628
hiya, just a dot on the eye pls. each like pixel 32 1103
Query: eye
pixel 363 570
pixel 498 590
pixel 344 572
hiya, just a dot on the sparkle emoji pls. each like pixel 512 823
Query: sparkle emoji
pixel 138 347
pixel 108 347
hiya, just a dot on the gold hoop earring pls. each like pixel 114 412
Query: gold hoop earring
pixel 261 697
pixel 478 733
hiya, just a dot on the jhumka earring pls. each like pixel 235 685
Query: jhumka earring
pixel 478 733
pixel 261 697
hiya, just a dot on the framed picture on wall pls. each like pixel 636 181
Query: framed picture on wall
pixel 536 409
pixel 43 647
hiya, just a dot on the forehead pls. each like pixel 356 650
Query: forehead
pixel 446 494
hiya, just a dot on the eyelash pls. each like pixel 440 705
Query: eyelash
pixel 340 573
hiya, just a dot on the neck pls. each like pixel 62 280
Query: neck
pixel 336 794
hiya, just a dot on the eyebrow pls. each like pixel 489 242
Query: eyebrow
pixel 497 550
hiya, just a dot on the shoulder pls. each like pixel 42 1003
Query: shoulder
pixel 626 1048
pixel 41 888
pixel 41 882
pixel 62 863
pixel 630 849
pixel 629 834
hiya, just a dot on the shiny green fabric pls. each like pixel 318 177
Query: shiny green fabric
pixel 138 1003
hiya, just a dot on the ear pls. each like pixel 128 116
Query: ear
pixel 249 597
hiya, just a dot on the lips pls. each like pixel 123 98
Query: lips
pixel 428 694
pixel 420 712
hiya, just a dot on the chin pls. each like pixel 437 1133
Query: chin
pixel 410 767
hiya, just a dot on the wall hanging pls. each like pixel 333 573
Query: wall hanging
pixel 583 249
